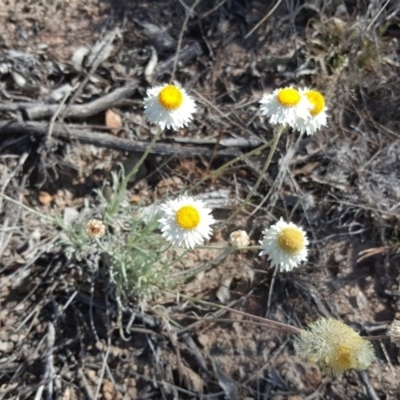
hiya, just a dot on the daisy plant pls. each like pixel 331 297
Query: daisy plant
pixel 285 244
pixel 334 346
pixel 303 110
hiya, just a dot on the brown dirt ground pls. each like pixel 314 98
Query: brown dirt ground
pixel 342 185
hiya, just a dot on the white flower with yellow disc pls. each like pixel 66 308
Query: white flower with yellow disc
pixel 169 106
pixel 285 106
pixel 186 222
pixel 317 116
pixel 285 244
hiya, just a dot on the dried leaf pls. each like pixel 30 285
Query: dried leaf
pixel 109 392
pixel 45 198
pixel 18 79
pixel 113 120
pixel 78 57
pixel 67 394
pixel 223 294
pixel 151 65
pixel 58 94
pixel 102 49
pixel 227 384
pixel 170 185
pixel 192 380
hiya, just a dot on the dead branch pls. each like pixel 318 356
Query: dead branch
pixel 229 142
pixel 37 111
pixel 84 135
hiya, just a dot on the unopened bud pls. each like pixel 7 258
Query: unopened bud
pixel 95 228
pixel 394 332
pixel 239 239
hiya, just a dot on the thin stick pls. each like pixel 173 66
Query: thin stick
pixel 103 368
pixel 207 13
pixel 271 288
pixel 54 117
pixel 377 15
pixel 268 322
pixel 178 47
pixel 264 19
pixel 49 371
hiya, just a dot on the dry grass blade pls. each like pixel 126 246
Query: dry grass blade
pixel 264 18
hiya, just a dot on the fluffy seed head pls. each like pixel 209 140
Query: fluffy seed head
pixel 185 221
pixel 239 238
pixel 285 244
pixel 95 228
pixel 334 346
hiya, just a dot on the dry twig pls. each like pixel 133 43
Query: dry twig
pixel 105 140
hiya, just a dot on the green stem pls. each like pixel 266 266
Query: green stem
pixel 31 210
pixel 125 180
pixel 260 178
pixel 221 169
pixel 144 156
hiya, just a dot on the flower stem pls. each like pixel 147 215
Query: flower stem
pixel 144 156
pixel 275 142
pixel 31 210
pixel 267 322
pixel 221 169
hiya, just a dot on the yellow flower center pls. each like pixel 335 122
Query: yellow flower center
pixel 289 97
pixel 170 97
pixel 187 217
pixel 291 240
pixel 317 100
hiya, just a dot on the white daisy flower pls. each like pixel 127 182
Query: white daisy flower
pixel 285 106
pixel 169 106
pixel 317 116
pixel 186 221
pixel 286 245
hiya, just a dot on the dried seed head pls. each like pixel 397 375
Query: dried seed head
pixel 239 238
pixel 95 228
pixel 334 346
pixel 394 332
